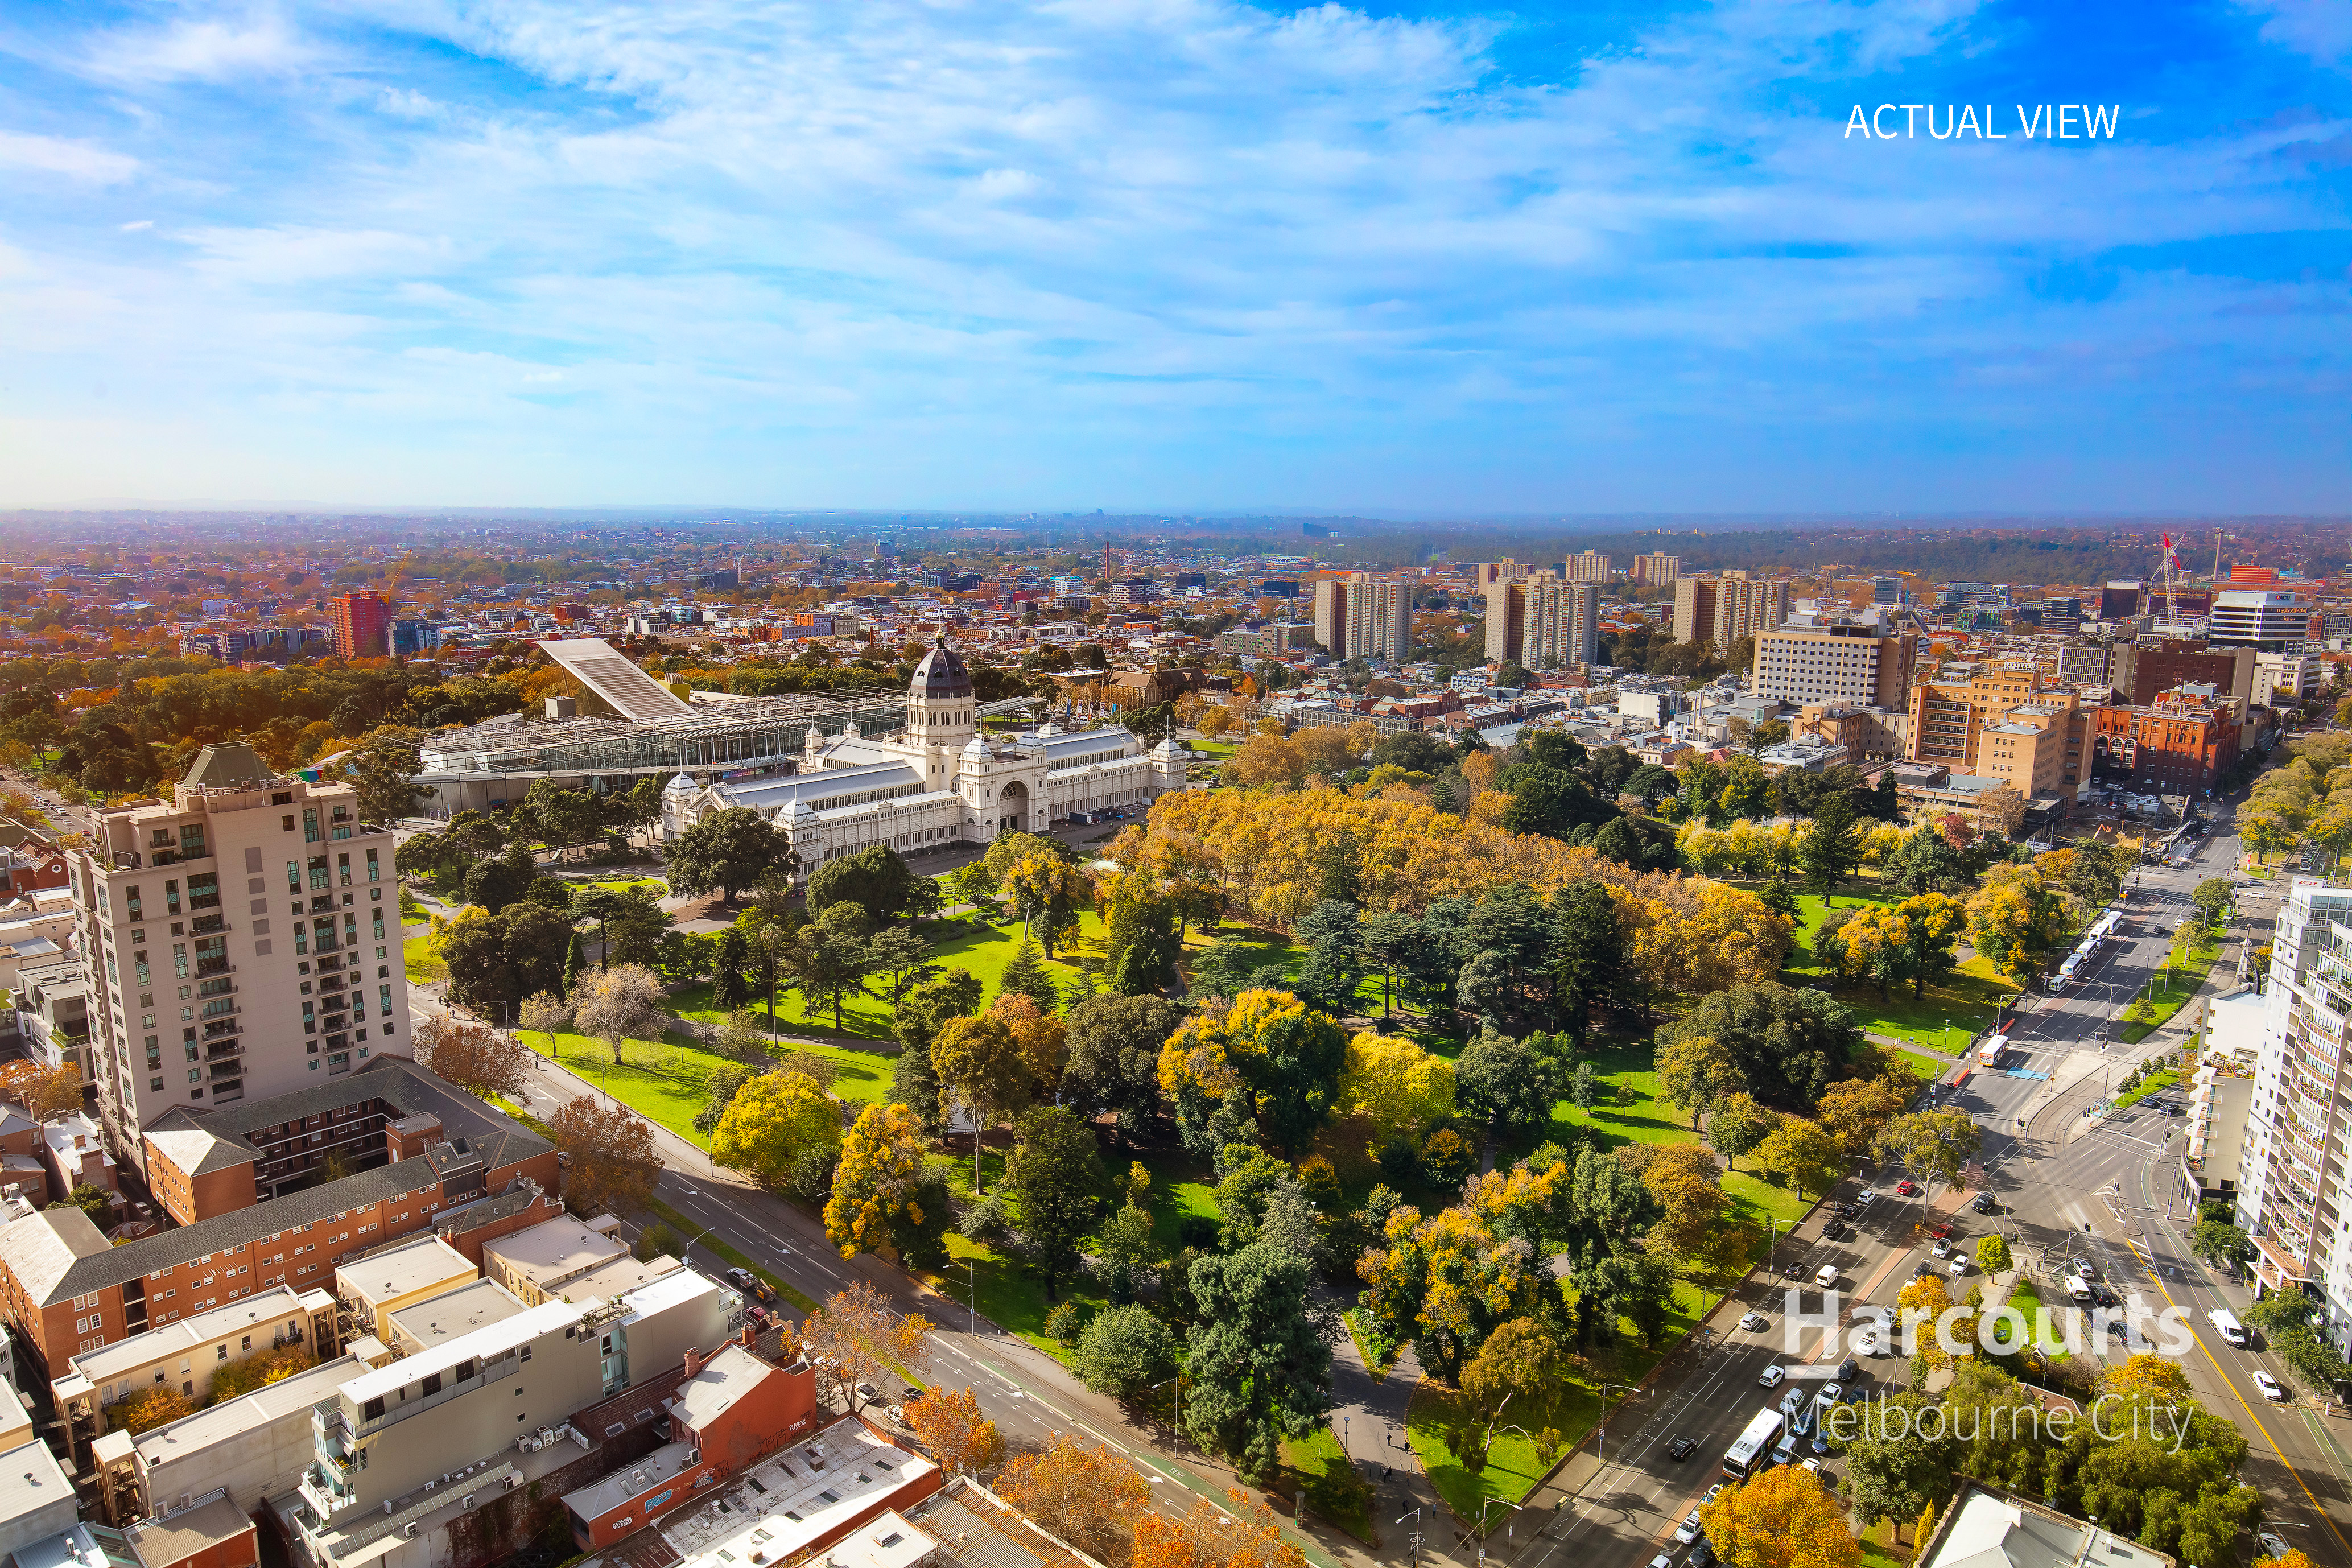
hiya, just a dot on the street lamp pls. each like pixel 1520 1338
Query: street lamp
pixel 1484 1510
pixel 1416 1516
pixel 1179 1419
pixel 1601 1435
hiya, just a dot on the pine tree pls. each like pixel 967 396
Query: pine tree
pixel 1777 897
pixel 1025 977
pixel 731 990
pixel 574 961
pixel 914 1084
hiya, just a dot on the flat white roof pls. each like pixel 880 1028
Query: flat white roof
pixel 798 1495
pixel 679 1285
pixel 398 1270
pixel 482 1344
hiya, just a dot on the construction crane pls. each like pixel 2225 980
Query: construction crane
pixel 2171 569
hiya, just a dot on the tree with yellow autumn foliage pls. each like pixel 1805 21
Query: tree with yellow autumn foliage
pixel 1780 1518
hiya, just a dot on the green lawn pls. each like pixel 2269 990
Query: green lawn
pixel 2147 1086
pixel 1513 1465
pixel 2171 995
pixel 664 1081
pixel 1334 1490
pixel 1943 1019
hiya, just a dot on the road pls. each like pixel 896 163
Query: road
pixel 2069 1186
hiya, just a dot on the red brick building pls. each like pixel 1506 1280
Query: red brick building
pixel 66 1290
pixel 2179 744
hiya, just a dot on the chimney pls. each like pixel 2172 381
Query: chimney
pixel 693 1362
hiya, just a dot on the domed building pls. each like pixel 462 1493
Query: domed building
pixel 940 781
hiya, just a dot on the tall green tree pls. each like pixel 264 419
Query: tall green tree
pixel 1588 953
pixel 1057 1173
pixel 1114 1059
pixel 1259 1359
pixel 875 879
pixel 1831 851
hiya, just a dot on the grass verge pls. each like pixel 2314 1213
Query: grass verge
pixel 1316 1464
pixel 2170 995
pixel 2151 1084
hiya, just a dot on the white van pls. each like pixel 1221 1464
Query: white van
pixel 2080 1289
pixel 2227 1324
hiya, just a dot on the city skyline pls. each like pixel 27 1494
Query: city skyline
pixel 1210 257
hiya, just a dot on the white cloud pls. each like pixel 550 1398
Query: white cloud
pixel 75 159
pixel 136 224
pixel 2320 28
pixel 259 44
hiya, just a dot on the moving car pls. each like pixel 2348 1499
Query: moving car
pixel 1689 1530
pixel 1772 1377
pixel 2081 1268
pixel 1683 1449
pixel 1960 1264
pixel 1755 1322
pixel 1942 1249
pixel 1942 1227
pixel 1848 1370
pixel 1835 1231
pixel 2272 1545
pixel 2270 1387
pixel 1907 1188
pixel 1871 1341
pixel 1827 1276
pixel 1867 1197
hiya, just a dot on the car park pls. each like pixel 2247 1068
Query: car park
pixel 1772 1377
pixel 1826 1276
pixel 2270 1386
pixel 1755 1322
pixel 1684 1447
pixel 1689 1530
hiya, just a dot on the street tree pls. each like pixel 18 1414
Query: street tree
pixel 476 1057
pixel 1122 1349
pixel 948 1425
pixel 614 1159
pixel 776 1124
pixel 1079 1492
pixel 857 1339
pixel 885 1199
pixel 543 1013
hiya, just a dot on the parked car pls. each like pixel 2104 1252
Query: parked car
pixel 1942 1249
pixel 2272 1545
pixel 745 1280
pixel 1702 1555
pixel 1942 1227
pixel 1689 1530
pixel 1984 1204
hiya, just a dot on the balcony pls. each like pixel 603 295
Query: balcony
pixel 209 925
pixel 207 967
pixel 224 1050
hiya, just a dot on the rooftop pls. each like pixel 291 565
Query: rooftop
pixel 230 1420
pixel 1991 1529
pixel 490 1340
pixel 555 1249
pixel 182 1535
pixel 725 1378
pixel 795 1497
pixel 276 1305
pixel 30 1480
pixel 455 1315
pixel 404 1267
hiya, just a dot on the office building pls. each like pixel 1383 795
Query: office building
pixel 1725 608
pixel 412 637
pixel 1825 664
pixel 2292 1198
pixel 2144 669
pixel 1364 616
pixel 2258 618
pixel 1657 570
pixel 184 906
pixel 1886 590
pixel 2085 664
pixel 361 624
pixel 2002 721
pixel 1543 622
pixel 1585 566
pixel 2121 598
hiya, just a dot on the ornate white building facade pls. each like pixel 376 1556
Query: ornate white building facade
pixel 937 782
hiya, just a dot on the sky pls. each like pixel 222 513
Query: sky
pixel 1178 255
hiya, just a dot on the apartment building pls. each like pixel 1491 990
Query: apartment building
pixel 1809 666
pixel 1657 570
pixel 67 1292
pixel 193 1005
pixel 2037 748
pixel 2084 665
pixel 2291 1200
pixel 2141 670
pixel 1727 608
pixel 2121 599
pixel 1542 621
pixel 1868 734
pixel 375 1290
pixel 2286 679
pixel 1585 566
pixel 361 624
pixel 1488 576
pixel 1362 615
pixel 2179 744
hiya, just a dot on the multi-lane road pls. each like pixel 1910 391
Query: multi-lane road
pixel 2105 1188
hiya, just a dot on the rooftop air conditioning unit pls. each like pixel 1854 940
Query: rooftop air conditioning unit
pixel 408 1530
pixel 513 1481
pixel 469 1501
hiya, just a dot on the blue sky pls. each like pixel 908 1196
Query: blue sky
pixel 1178 254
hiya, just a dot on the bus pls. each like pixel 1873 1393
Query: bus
pixel 1747 1453
pixel 1989 1055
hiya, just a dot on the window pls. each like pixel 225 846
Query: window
pixel 343 870
pixel 293 873
pixel 372 866
pixel 310 824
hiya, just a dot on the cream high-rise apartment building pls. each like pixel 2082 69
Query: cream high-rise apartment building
pixel 242 940
pixel 1823 664
pixel 1657 569
pixel 1727 608
pixel 1542 621
pixel 1586 566
pixel 1364 616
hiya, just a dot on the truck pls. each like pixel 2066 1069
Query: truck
pixel 2225 1322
